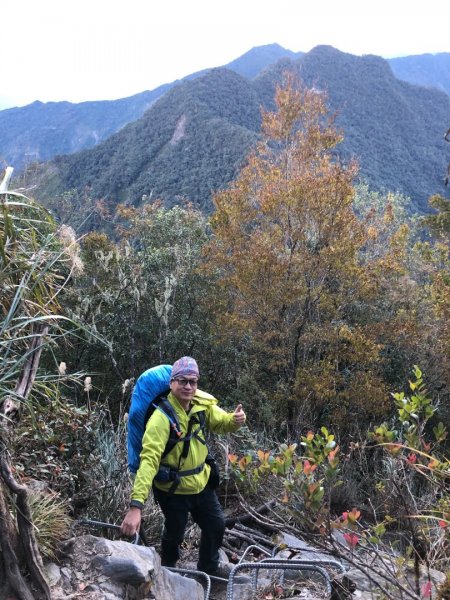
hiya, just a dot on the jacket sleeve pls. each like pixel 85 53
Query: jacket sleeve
pixel 153 445
pixel 220 421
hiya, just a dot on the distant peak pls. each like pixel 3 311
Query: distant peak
pixel 254 61
pixel 270 47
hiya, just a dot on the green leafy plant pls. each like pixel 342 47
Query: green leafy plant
pixel 52 444
pixel 307 480
pixel 415 495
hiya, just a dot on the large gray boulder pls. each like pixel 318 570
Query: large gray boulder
pixel 100 569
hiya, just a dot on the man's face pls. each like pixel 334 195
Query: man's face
pixel 184 388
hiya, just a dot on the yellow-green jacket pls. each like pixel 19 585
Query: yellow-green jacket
pixel 155 440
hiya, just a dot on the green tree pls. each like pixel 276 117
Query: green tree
pixel 143 293
pixel 439 222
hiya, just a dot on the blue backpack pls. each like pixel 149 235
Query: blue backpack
pixel 149 394
pixel 150 385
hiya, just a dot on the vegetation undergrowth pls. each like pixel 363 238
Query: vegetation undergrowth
pixel 405 522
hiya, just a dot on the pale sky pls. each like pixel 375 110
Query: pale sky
pixel 80 50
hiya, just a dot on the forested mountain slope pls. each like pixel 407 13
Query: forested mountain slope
pixel 194 139
pixel 191 142
pixel 396 129
pixel 430 70
pixel 40 131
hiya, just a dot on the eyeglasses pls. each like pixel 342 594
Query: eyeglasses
pixel 186 382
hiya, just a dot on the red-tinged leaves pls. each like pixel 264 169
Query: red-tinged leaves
pixel 393 449
pixel 412 458
pixel 308 468
pixel 243 463
pixel 426 446
pixel 354 515
pixel 333 460
pixel 332 455
pixel 352 539
pixel 425 590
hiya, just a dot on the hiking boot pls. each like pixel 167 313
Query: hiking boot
pixel 223 571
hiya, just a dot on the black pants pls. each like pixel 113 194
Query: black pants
pixel 206 511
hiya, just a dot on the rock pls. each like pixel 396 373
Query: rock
pixel 97 568
pixel 292 547
pixel 388 570
pixel 53 574
pixel 385 572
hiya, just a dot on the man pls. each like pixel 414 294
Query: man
pixel 189 491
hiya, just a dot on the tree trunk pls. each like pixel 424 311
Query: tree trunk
pixel 10 563
pixel 10 409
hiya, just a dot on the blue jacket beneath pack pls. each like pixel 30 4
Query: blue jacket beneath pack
pixel 149 386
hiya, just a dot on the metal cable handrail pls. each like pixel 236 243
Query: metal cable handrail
pixel 137 537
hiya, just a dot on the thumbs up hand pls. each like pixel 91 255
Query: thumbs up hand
pixel 239 415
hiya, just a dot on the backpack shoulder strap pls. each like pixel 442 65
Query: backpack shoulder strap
pixel 154 403
pixel 200 418
pixel 162 403
pixel 174 428
pixel 197 418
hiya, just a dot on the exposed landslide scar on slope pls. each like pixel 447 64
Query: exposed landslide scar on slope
pixel 179 130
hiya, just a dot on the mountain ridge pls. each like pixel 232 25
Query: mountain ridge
pixel 39 131
pixel 193 139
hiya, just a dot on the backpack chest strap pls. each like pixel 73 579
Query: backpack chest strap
pixel 180 474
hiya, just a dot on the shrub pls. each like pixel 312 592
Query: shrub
pixel 50 517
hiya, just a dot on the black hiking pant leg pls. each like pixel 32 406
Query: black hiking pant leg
pixel 206 512
pixel 208 515
pixel 176 511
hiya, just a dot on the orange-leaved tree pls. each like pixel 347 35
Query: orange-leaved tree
pixel 293 284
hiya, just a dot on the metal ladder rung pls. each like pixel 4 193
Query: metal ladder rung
pixel 271 564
